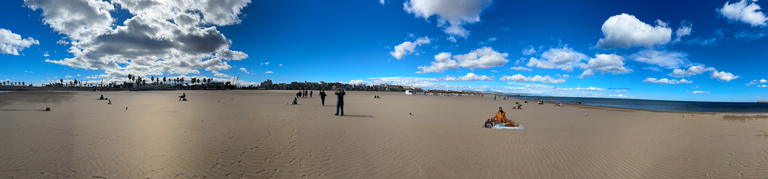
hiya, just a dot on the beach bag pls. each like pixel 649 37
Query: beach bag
pixel 488 124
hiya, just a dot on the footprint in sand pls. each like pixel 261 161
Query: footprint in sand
pixel 266 160
pixel 274 174
pixel 254 148
pixel 241 176
pixel 215 166
pixel 303 163
pixel 311 154
pixel 180 175
pixel 243 154
pixel 330 157
pixel 261 172
pixel 195 177
pixel 278 154
pixel 292 161
pixel 304 177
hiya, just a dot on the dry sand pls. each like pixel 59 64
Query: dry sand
pixel 254 134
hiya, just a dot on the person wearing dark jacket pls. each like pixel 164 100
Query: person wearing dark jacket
pixel 322 96
pixel 340 103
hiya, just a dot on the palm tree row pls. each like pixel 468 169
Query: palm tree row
pixel 177 80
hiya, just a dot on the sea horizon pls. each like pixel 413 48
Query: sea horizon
pixel 660 105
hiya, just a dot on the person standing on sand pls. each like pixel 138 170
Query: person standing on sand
pixel 340 102
pixel 310 93
pixel 322 96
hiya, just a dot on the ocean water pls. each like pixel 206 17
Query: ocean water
pixel 659 105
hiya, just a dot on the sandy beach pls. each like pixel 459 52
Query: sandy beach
pixel 255 134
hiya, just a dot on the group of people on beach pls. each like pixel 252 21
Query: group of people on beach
pixel 339 103
pixel 303 94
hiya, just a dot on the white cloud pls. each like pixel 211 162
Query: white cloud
pixel 265 63
pixel 162 37
pixel 245 71
pixel 280 64
pixel 442 62
pixel 587 73
pixel 665 81
pixel 698 92
pixel 685 29
pixel 605 63
pixel 217 74
pixel 723 76
pixel 553 58
pixel 494 71
pixel 626 31
pixel 45 54
pixel 268 72
pixel 566 76
pixel 451 14
pixel 452 39
pixel 469 77
pixel 77 74
pixel 762 86
pixel 693 70
pixel 413 81
pixel 529 51
pixel 666 59
pixel 744 11
pixel 11 43
pixel 68 76
pixel 62 42
pixel 482 58
pixel 580 89
pixel 537 78
pixel 382 2
pixel 492 39
pixel 408 47
pixel 521 68
pixel 763 81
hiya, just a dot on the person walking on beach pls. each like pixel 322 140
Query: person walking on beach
pixel 340 102
pixel 310 93
pixel 322 96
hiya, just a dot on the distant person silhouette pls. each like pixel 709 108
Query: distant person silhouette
pixel 310 93
pixel 322 96
pixel 340 102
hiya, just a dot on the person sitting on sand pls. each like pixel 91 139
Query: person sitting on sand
pixel 183 96
pixel 102 97
pixel 295 101
pixel 501 117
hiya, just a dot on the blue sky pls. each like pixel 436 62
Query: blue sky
pixel 681 50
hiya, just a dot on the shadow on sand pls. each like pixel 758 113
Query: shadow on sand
pixel 346 115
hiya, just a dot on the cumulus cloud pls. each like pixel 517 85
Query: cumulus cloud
pixel 563 59
pixel 698 92
pixel 753 82
pixel 587 73
pixel 245 71
pixel 665 81
pixel 452 39
pixel 762 86
pixel 604 63
pixel 691 71
pixel 723 76
pixel 537 78
pixel 268 72
pixel 666 59
pixel 469 77
pixel 482 58
pixel 11 43
pixel 451 14
pixel 627 31
pixel 743 11
pixel 492 39
pixel 529 51
pixel 686 27
pixel 412 81
pixel 442 62
pixel 408 47
pixel 162 37
pixel 521 68
pixel 217 74
pixel 382 2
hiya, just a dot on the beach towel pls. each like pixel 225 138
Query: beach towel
pixel 498 126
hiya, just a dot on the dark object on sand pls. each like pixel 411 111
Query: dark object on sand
pixel 47 108
pixel 126 108
pixel 102 97
pixel 183 96
pixel 411 114
pixel 185 99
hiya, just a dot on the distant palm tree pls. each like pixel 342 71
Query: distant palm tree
pixel 153 78
pixel 129 77
pixel 164 79
pixel 62 81
pixel 182 79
